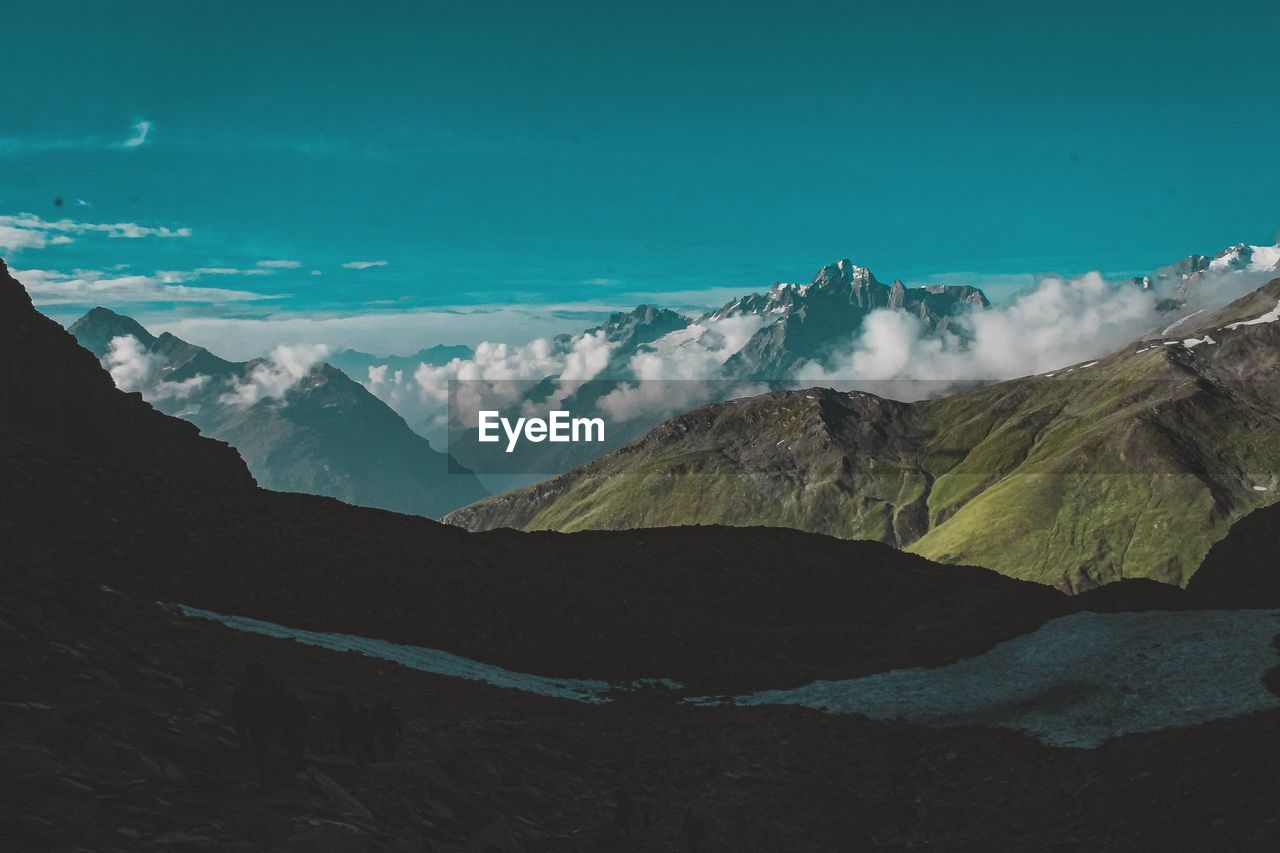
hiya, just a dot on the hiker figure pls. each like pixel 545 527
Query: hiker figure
pixel 387 728
pixel 695 828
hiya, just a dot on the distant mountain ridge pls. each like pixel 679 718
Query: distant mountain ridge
pixel 356 364
pixel 325 434
pixel 1128 466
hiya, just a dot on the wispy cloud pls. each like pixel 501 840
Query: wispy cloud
pixel 363 265
pixel 603 281
pixel 92 287
pixel 275 375
pixel 141 130
pixel 280 265
pixel 28 231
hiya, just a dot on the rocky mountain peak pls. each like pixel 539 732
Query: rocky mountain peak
pixel 844 273
pixel 96 329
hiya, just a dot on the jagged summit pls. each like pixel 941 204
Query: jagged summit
pixel 844 273
pixel 1242 256
pixel 806 322
pixel 96 329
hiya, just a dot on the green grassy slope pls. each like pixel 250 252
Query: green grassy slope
pixel 1131 466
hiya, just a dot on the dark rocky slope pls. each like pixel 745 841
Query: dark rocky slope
pixel 55 393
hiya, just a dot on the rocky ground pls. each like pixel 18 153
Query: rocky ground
pixel 115 733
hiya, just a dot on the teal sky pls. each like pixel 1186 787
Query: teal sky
pixel 578 155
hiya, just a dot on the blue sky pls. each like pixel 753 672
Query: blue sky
pixel 549 160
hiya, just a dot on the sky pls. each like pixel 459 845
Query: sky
pixel 441 172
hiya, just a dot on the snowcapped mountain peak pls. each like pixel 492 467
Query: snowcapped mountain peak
pixel 844 273
pixel 1242 256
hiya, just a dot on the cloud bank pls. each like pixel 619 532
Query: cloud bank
pixel 94 287
pixel 1057 323
pixel 132 368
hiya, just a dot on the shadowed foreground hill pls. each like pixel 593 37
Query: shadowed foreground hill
pixel 1243 570
pixel 714 607
pixel 1130 466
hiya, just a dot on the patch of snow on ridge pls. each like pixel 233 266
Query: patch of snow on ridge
pixel 418 657
pixel 1265 258
pixel 1077 681
pixel 1192 343
pixel 1269 317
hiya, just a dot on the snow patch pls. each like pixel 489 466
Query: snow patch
pixel 1077 681
pixel 418 657
pixel 1269 317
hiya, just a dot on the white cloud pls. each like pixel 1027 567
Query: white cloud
pixel 273 376
pixel 14 239
pixel 141 130
pixel 363 265
pixel 132 368
pixel 28 231
pixel 85 287
pixel 1058 323
pixel 280 264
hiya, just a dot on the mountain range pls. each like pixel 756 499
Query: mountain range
pixel 1129 466
pixel 118 726
pixel 300 426
pixel 105 489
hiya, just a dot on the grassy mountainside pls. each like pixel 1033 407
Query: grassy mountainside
pixel 1131 466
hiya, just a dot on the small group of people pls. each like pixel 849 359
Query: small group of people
pixel 272 724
